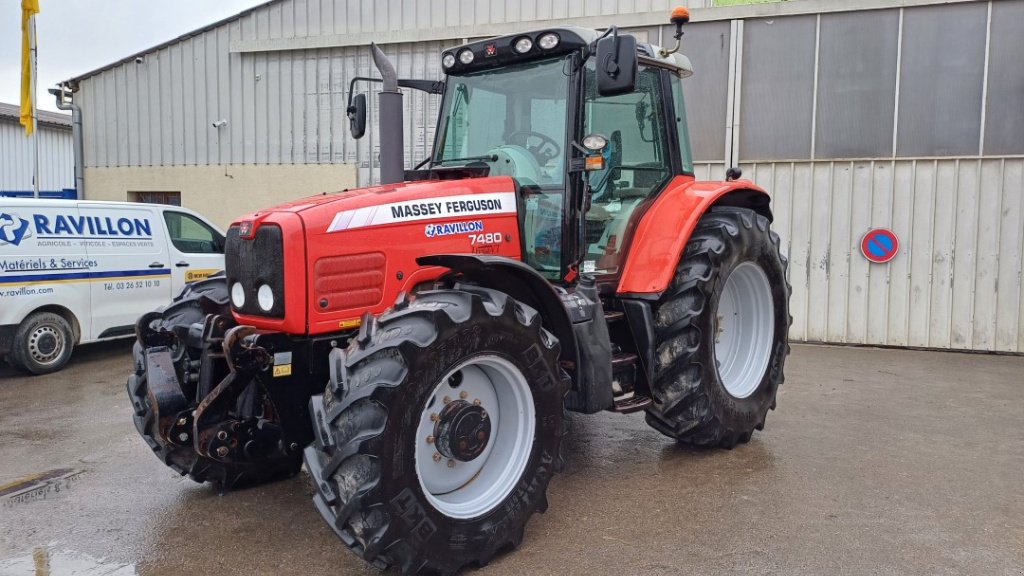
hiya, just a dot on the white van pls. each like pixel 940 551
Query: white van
pixel 75 272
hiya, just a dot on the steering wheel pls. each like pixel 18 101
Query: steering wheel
pixel 544 151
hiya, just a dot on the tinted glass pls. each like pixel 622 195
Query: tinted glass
pixel 777 88
pixel 191 235
pixel 1004 118
pixel 637 163
pixel 856 84
pixel 941 80
pixel 707 46
pixel 511 118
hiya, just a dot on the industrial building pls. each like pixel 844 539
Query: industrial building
pixel 853 114
pixel 17 153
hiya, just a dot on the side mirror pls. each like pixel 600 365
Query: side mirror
pixel 616 65
pixel 357 116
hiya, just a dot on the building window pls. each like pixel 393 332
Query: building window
pixel 940 80
pixel 169 198
pixel 857 84
pixel 777 88
pixel 1004 118
pixel 707 93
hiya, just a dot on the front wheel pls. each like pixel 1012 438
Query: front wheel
pixel 439 443
pixel 42 344
pixel 722 331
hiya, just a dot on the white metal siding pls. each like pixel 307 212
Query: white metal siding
pixel 956 282
pixel 56 168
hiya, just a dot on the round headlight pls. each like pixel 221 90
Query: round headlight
pixel 594 142
pixel 448 61
pixel 523 45
pixel 265 297
pixel 238 295
pixel 548 41
pixel 466 56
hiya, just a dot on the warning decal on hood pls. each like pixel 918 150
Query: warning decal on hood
pixel 426 209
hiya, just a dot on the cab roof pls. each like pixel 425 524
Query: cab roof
pixel 498 51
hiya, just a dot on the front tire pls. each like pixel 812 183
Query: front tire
pixel 722 332
pixel 42 344
pixel 406 473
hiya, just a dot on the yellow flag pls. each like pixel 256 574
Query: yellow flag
pixel 28 8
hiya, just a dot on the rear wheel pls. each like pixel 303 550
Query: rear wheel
pixel 439 444
pixel 42 344
pixel 189 309
pixel 722 332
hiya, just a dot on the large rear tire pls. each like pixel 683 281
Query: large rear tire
pixel 722 332
pixel 408 471
pixel 190 308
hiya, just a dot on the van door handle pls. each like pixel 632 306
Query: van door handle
pixel 156 265
pixel 182 264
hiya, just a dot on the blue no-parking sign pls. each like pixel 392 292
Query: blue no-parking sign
pixel 880 245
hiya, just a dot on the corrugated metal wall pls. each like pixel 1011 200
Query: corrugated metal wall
pixel 956 282
pixel 57 162
pixel 287 106
pixel 891 119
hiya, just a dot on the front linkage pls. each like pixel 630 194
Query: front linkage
pixel 218 401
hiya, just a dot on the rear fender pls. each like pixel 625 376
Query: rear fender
pixel 666 226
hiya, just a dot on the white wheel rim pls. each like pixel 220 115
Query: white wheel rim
pixel 745 331
pixel 45 345
pixel 469 489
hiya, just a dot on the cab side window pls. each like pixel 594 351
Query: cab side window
pixel 638 163
pixel 191 235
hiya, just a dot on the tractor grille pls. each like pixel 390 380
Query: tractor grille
pixel 349 281
pixel 256 262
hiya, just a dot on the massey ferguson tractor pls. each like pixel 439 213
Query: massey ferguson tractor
pixel 416 344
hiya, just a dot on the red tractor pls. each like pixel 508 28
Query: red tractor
pixel 416 343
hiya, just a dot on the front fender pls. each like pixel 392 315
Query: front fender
pixel 665 228
pixel 519 281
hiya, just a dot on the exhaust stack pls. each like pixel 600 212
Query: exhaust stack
pixel 392 136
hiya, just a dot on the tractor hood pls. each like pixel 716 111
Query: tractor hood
pixel 397 203
pixel 323 261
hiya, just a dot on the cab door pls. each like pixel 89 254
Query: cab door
pixel 196 248
pixel 640 162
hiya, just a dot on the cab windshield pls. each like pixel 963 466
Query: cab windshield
pixel 510 118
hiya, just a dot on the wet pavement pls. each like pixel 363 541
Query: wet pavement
pixel 877 462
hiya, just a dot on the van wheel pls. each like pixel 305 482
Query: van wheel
pixel 42 344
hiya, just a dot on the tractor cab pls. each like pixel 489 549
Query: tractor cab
pixel 590 126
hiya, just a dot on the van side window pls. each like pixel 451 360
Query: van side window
pixel 191 235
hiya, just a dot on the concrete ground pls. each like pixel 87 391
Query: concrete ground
pixel 876 462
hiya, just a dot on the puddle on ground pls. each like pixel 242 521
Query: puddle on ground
pixel 45 561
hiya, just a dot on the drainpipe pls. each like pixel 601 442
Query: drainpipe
pixel 392 137
pixel 65 102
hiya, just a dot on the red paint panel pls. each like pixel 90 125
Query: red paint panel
pixel 343 266
pixel 349 281
pixel 666 227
